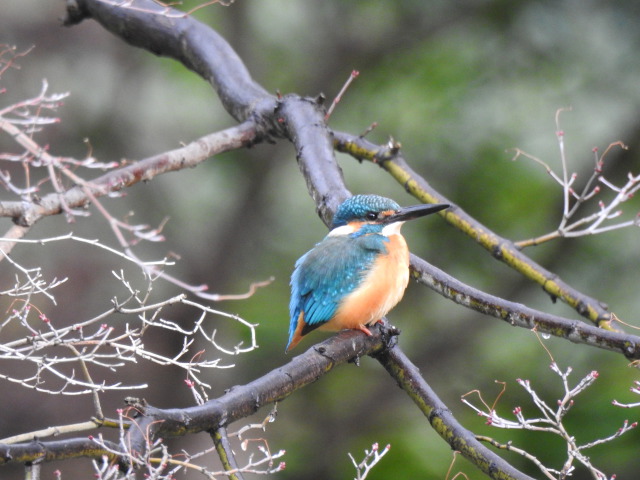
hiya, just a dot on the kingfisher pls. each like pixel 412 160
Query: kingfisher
pixel 358 272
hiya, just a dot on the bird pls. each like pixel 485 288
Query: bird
pixel 358 272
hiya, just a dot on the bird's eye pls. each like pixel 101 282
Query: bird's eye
pixel 372 216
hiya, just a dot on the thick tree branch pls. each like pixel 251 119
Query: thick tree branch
pixel 520 315
pixel 390 159
pixel 171 33
pixel 168 32
pixel 305 125
pixel 441 419
pixel 242 401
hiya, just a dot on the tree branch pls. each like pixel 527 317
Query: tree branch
pixel 245 400
pixel 390 159
pixel 170 33
pixel 34 452
pixel 441 419
pixel 190 155
pixel 520 315
pixel 241 401
pixel 305 125
pixel 225 452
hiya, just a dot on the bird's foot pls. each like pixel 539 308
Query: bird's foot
pixel 364 329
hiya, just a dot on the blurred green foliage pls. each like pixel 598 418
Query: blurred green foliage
pixel 459 84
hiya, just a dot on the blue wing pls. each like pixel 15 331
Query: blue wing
pixel 325 274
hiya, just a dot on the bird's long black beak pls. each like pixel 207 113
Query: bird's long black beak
pixel 414 211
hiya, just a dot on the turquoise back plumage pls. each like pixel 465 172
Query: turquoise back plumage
pixel 330 271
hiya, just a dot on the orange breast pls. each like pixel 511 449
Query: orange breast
pixel 380 291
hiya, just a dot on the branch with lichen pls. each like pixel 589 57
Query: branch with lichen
pixel 389 157
pixel 519 315
pixel 409 378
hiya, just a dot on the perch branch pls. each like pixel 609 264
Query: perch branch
pixel 239 402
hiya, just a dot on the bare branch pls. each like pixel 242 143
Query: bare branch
pixel 550 421
pixel 371 459
pixel 102 342
pixel 591 224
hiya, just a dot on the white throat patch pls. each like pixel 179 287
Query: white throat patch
pixel 392 229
